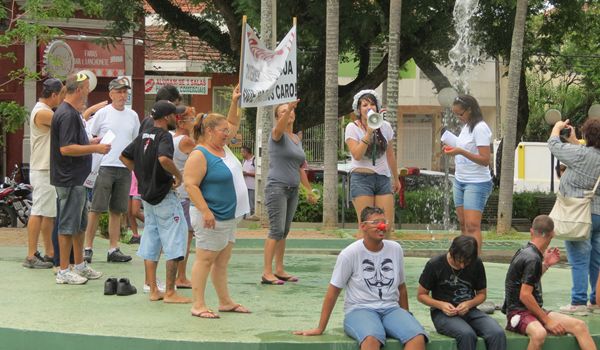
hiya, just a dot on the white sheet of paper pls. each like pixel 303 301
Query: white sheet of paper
pixel 449 138
pixel 108 138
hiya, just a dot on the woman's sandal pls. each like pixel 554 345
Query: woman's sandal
pixel 288 278
pixel 206 314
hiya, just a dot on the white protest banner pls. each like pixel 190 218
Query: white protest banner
pixel 268 77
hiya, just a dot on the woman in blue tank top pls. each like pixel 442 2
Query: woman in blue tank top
pixel 215 184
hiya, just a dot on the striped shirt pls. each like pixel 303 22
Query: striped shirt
pixel 583 169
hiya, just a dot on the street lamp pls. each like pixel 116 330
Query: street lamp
pixel 446 98
pixel 552 116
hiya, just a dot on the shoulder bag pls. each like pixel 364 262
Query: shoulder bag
pixel 573 216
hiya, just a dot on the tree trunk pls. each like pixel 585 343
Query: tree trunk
pixel 330 193
pixel 505 204
pixel 264 115
pixel 393 66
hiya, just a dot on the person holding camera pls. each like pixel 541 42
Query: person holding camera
pixel 373 169
pixel 583 169
pixel 472 179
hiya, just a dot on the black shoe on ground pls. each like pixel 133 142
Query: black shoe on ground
pixel 117 256
pixel 87 255
pixel 110 286
pixel 44 258
pixel 124 287
pixel 135 240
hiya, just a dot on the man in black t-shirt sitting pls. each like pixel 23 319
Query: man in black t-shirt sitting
pixel 457 283
pixel 523 292
pixel 150 156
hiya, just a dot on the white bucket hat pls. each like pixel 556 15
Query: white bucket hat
pixel 360 94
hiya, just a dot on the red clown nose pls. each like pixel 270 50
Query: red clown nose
pixel 381 226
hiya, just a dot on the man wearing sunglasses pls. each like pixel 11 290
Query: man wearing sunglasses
pixel 111 188
pixel 70 164
pixel 376 301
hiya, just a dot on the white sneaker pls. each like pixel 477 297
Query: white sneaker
pixel 576 310
pixel 87 272
pixel 159 284
pixel 593 308
pixel 69 277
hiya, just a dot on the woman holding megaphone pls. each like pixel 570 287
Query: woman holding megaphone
pixel 374 174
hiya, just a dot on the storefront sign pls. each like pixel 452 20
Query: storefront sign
pixel 103 61
pixel 185 85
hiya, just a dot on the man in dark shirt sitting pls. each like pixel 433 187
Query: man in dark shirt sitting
pixel 523 292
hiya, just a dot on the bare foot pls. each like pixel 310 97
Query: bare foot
pixel 156 296
pixel 183 283
pixel 269 277
pixel 175 298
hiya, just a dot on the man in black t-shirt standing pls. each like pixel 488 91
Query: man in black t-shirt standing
pixel 457 283
pixel 523 292
pixel 70 164
pixel 150 156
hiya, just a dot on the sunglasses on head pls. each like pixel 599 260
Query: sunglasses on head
pixel 81 77
pixel 461 100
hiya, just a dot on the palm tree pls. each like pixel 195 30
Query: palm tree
pixel 393 65
pixel 505 204
pixel 264 115
pixel 330 193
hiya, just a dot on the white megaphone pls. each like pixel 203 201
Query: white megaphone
pixel 374 119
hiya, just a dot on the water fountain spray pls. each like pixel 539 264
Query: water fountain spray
pixel 465 54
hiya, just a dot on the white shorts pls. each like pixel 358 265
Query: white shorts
pixel 212 239
pixel 44 194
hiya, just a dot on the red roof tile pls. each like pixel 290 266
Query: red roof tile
pixel 159 46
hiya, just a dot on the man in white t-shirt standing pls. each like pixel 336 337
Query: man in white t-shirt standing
pixel 376 301
pixel 43 210
pixel 111 189
pixel 249 170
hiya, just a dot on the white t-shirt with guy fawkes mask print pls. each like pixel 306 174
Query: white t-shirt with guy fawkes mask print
pixel 371 279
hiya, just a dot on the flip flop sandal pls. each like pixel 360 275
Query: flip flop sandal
pixel 209 314
pixel 288 278
pixel 238 308
pixel 273 282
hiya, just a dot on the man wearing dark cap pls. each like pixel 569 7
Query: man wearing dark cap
pixel 70 163
pixel 168 93
pixel 43 209
pixel 150 156
pixel 111 188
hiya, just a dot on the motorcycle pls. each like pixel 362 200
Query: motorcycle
pixel 15 201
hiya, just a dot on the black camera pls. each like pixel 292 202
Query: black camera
pixel 566 133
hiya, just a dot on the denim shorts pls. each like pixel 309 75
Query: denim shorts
pixel 394 322
pixel 185 204
pixel 164 228
pixel 362 184
pixel 213 239
pixel 281 202
pixel 73 210
pixel 472 196
pixel 111 190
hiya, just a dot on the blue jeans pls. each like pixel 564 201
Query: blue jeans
pixel 281 202
pixel 394 322
pixel 584 257
pixel 465 329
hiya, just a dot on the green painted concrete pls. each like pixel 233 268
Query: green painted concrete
pixel 84 317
